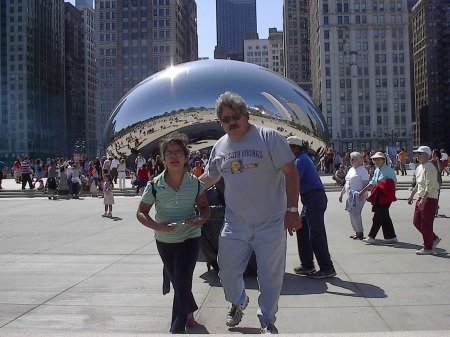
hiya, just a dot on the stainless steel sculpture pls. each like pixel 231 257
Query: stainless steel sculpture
pixel 182 98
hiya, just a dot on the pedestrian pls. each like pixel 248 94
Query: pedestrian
pixel 197 170
pixel 403 156
pixel 175 192
pixel 143 178
pixel 2 168
pixel 107 166
pixel 51 180
pixel 444 159
pixel 38 170
pixel 437 162
pixel 382 195
pixel 139 162
pixel 108 197
pixel 114 169
pixel 312 237
pixel 17 170
pixel 26 173
pixel 261 195
pixel 122 173
pixel 76 181
pixel 425 208
pixel 355 180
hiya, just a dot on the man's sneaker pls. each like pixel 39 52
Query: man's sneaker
pixel 424 251
pixel 304 270
pixel 323 274
pixel 436 241
pixel 268 329
pixel 369 240
pixel 190 322
pixel 235 313
pixel 393 240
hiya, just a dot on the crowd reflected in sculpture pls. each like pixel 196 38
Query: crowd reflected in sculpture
pixel 182 98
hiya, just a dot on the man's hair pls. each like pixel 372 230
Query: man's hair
pixel 231 100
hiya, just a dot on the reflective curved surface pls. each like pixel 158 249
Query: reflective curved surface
pixel 182 98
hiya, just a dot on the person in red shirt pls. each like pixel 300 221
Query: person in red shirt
pixel 143 178
pixel 197 170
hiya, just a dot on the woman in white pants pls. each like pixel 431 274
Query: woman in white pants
pixel 355 180
pixel 122 174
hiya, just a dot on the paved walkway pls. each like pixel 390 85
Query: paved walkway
pixel 66 271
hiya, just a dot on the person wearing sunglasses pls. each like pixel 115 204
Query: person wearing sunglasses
pixel 261 197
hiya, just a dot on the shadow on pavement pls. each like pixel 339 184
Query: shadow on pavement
pixel 197 329
pixel 245 331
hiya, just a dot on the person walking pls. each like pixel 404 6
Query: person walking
pixel 425 208
pixel 2 168
pixel 108 197
pixel 175 192
pixel 261 197
pixel 52 174
pixel 382 195
pixel 355 180
pixel 312 237
pixel 114 169
pixel 437 162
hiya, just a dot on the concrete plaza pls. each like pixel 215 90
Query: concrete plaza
pixel 66 271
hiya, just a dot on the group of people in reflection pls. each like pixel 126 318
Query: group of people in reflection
pixel 258 166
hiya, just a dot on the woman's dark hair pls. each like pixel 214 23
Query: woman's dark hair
pixel 176 138
pixel 437 153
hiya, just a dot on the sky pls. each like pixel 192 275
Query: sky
pixel 269 14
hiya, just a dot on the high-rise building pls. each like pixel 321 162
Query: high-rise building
pixel 360 72
pixel 74 80
pixel 268 53
pixel 431 60
pixel 136 39
pixel 89 85
pixel 32 79
pixel 296 42
pixel 236 22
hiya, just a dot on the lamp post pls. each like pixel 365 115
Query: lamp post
pixel 339 142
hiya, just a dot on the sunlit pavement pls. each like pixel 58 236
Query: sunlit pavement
pixel 66 271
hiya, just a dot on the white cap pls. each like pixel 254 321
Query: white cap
pixel 294 140
pixel 424 149
pixel 378 155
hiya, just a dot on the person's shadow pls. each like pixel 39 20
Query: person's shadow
pixel 303 285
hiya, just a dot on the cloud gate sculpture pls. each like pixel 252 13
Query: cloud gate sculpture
pixel 182 98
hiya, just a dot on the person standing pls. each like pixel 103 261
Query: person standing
pixel 122 172
pixel 382 195
pixel 427 190
pixel 114 169
pixel 261 195
pixel 26 173
pixel 437 162
pixel 2 168
pixel 355 180
pixel 175 192
pixel 51 180
pixel 17 170
pixel 403 159
pixel 139 161
pixel 108 197
pixel 312 237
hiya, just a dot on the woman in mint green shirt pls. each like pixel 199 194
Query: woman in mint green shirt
pixel 175 192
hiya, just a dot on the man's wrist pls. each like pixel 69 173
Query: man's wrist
pixel 292 209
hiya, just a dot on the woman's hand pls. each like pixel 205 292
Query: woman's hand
pixel 165 226
pixel 340 198
pixel 195 221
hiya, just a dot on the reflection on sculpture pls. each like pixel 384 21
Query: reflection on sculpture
pixel 182 98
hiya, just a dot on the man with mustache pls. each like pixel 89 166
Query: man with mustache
pixel 261 197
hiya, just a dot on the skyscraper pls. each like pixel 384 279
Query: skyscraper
pixel 236 22
pixel 136 39
pixel 296 42
pixel 32 79
pixel 431 59
pixel 360 72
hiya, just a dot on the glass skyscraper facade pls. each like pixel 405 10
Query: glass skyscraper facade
pixel 236 22
pixel 32 77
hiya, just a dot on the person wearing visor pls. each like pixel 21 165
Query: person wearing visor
pixel 312 237
pixel 261 197
pixel 382 195
pixel 427 189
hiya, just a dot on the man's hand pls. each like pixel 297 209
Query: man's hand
pixel 292 222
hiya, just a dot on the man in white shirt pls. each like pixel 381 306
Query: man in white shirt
pixel 139 162
pixel 114 165
pixel 427 188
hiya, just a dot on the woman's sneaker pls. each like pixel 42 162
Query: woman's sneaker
pixel 235 313
pixel 104 215
pixel 190 322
